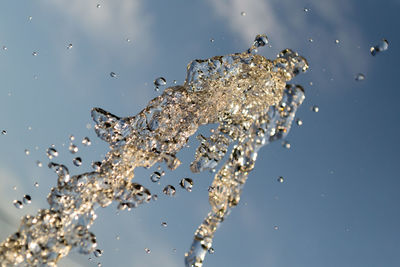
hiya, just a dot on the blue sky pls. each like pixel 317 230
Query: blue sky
pixel 338 205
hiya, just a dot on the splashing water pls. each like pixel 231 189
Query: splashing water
pixel 245 94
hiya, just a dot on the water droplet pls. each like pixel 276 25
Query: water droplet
pixel 306 9
pixel 15 187
pixel 71 138
pixel 18 204
pixel 280 179
pixel 117 237
pixel 243 13
pixel 51 153
pixel 30 18
pixel 211 250
pixel 27 152
pixel 5 47
pixel 299 122
pixel 3 132
pixel 34 53
pixel 128 40
pixel 260 40
pixel 160 81
pixel 113 74
pixel 36 184
pixel 98 5
pixel 96 165
pixel 27 199
pixel 286 144
pixel 310 40
pixel 337 41
pixel 315 108
pixel 39 164
pixel 360 77
pixel 164 224
pixel 154 197
pixel 186 183
pixel 382 46
pixel 155 177
pixel 77 161
pixel 98 253
pixel 99 264
pixel 86 141
pixel 73 148
pixel 69 46
pixel 276 227
pixel 147 250
pixel 169 190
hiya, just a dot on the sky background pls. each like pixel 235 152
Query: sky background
pixel 339 202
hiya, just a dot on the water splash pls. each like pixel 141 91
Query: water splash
pixel 245 94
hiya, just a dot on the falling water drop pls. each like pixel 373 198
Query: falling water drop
pixel 276 227
pixel 3 132
pixel 186 183
pixel 18 204
pixel 27 152
pixel 39 164
pixel 147 250
pixel 280 179
pixel 169 190
pixel 69 46
pixel 36 184
pixel 243 13
pixel 86 141
pixel 155 177
pixel 98 253
pixel 337 41
pixel 315 108
pixel 360 77
pixel 51 153
pixel 260 40
pixel 164 224
pixel 96 165
pixel 34 53
pixel 306 9
pixel 98 5
pixel 73 148
pixel 299 122
pixel 27 199
pixel 113 74
pixel 160 81
pixel 286 144
pixel 211 250
pixel 77 161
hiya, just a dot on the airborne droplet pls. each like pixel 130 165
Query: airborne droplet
pixel 243 13
pixel 280 179
pixel 34 53
pixel 186 183
pixel 27 152
pixel 315 108
pixel 96 165
pixel 164 224
pixel 86 141
pixel 27 199
pixel 113 74
pixel 286 144
pixel 3 132
pixel 69 46
pixel 360 77
pixel 160 81
pixel 18 204
pixel 77 161
pixel 169 190
pixel 260 40
pixel 382 46
pixel 299 122
pixel 98 253
pixel 155 177
pixel 73 148
pixel 147 250
pixel 51 153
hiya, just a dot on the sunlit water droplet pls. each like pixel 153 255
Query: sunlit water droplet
pixel 30 18
pixel 243 13
pixel 286 144
pixel 382 46
pixel 71 137
pixel 260 40
pixel 186 183
pixel 73 148
pixel 276 227
pixel 86 141
pixel 27 152
pixel 164 224
pixel 280 179
pixel 96 165
pixel 98 5
pixel 160 81
pixel 212 40
pixel 337 41
pixel 306 9
pixel 98 253
pixel 299 122
pixel 360 77
pixel 51 153
pixel 69 46
pixel 169 190
pixel 27 199
pixel 34 53
pixel 36 184
pixel 3 132
pixel 77 161
pixel 147 250
pixel 315 108
pixel 18 204
pixel 155 177
pixel 113 74
pixel 211 250
pixel 310 40
pixel 39 164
